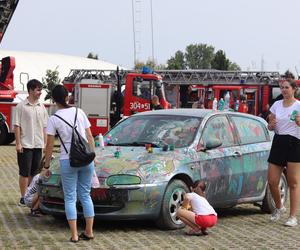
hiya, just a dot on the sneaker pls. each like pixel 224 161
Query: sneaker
pixel 291 222
pixel 277 214
pixel 22 202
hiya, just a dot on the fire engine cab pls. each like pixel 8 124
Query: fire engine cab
pixel 108 95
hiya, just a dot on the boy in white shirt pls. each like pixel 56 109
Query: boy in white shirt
pixel 201 214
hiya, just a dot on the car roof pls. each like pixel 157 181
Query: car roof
pixel 181 112
pixel 201 113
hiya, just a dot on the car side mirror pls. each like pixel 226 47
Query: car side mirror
pixel 211 144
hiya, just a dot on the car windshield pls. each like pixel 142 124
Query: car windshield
pixel 157 130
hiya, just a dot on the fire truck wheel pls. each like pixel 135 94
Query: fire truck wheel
pixel 3 134
pixel 268 204
pixel 172 200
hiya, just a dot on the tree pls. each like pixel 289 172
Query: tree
pixel 91 55
pixel 150 64
pixel 50 81
pixel 234 66
pixel 199 56
pixel 220 62
pixel 177 61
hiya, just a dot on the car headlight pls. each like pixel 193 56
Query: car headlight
pixel 123 179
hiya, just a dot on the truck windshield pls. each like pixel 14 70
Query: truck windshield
pixel 158 130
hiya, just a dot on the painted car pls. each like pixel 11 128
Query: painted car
pixel 151 159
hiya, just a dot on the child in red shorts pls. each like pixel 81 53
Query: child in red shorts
pixel 201 214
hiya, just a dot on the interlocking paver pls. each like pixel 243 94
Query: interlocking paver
pixel 241 227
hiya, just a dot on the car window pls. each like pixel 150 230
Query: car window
pixel 179 131
pixel 218 127
pixel 250 130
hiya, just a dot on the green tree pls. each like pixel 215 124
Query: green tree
pixel 150 64
pixel 234 66
pixel 199 56
pixel 177 61
pixel 50 81
pixel 91 55
pixel 220 62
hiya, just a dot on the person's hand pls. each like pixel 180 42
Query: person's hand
pixel 272 122
pixel 19 148
pixel 297 119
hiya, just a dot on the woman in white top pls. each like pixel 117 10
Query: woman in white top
pixel 284 119
pixel 77 181
pixel 195 211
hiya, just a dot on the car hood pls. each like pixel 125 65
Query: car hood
pixel 150 167
pixel 138 161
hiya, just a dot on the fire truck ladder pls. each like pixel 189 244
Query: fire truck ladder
pixel 105 76
pixel 207 77
pixel 182 77
pixel 7 8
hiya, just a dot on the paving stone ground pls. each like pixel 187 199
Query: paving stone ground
pixel 241 227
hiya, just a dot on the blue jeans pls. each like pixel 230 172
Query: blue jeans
pixel 77 181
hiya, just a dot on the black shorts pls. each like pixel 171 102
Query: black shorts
pixel 29 161
pixel 285 148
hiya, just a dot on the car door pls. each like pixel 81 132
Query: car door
pixel 254 143
pixel 221 167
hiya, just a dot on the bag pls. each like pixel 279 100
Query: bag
pixel 81 154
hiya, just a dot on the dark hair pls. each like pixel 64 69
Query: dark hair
pixel 199 183
pixel 59 94
pixel 33 84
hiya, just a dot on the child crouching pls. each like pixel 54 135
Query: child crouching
pixel 202 214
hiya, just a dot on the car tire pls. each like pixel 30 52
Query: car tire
pixel 173 198
pixel 3 133
pixel 268 204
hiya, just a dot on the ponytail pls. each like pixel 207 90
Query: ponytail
pixel 59 94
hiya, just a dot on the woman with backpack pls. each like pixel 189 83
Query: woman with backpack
pixel 76 181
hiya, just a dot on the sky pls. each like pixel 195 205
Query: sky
pixel 256 34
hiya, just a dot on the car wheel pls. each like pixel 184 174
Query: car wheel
pixel 173 198
pixel 268 204
pixel 3 133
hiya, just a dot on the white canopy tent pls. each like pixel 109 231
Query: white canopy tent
pixel 35 65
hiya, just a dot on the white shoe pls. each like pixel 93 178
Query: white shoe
pixel 291 222
pixel 277 214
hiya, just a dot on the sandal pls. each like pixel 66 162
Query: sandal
pixel 83 236
pixel 35 213
pixel 74 241
pixel 204 232
pixel 192 232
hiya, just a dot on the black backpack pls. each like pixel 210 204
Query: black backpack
pixel 81 154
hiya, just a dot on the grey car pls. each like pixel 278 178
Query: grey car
pixel 150 160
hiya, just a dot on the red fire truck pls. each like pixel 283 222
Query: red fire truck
pixel 108 95
pixel 253 89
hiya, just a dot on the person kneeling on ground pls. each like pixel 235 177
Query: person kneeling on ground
pixel 201 214
pixel 31 197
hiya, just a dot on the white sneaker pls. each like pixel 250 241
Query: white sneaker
pixel 291 222
pixel 277 214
